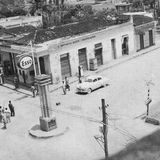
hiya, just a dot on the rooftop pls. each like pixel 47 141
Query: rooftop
pixel 43 35
pixel 141 19
pixel 26 34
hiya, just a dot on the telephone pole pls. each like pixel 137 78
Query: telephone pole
pixel 105 128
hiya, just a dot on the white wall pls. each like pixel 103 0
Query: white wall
pixel 72 44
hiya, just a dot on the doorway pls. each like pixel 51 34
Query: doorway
pixel 141 37
pixel 42 65
pixel 150 37
pixel 83 58
pixel 98 53
pixel 113 46
pixel 65 65
pixel 125 49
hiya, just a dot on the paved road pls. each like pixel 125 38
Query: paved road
pixel 125 95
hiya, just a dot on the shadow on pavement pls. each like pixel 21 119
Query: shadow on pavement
pixel 146 148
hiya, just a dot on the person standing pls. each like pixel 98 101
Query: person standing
pixel 67 84
pixel 34 90
pixel 1 116
pixel 4 120
pixel 16 82
pixel 64 87
pixel 1 79
pixel 11 107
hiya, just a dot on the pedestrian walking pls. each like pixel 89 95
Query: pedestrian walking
pixel 67 86
pixel 34 90
pixel 16 82
pixel 4 121
pixel 11 107
pixel 1 118
pixel 64 87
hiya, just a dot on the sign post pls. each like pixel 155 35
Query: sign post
pixel 47 120
pixel 34 65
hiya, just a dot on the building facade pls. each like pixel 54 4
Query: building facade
pixel 104 45
pixel 61 57
pixel 144 33
pixel 60 51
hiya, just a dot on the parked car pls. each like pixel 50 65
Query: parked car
pixel 91 83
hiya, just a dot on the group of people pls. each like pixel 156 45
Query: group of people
pixel 65 85
pixel 6 113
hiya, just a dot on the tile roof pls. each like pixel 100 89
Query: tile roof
pixel 21 30
pixel 43 35
pixel 141 19
pixel 30 33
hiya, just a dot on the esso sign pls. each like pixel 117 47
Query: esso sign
pixel 25 62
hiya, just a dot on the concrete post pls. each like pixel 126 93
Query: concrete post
pixel 47 120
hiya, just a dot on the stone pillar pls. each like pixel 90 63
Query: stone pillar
pixel 47 120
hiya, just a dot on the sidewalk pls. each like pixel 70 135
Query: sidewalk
pixel 20 90
pixel 154 111
pixel 109 65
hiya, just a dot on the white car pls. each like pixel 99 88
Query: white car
pixel 91 83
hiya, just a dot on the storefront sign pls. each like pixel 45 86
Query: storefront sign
pixel 77 41
pixel 25 62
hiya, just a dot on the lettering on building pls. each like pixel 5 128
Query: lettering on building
pixel 77 41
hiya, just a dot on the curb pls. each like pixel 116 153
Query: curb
pixel 113 65
pixel 39 134
pixel 125 60
pixel 4 85
pixel 99 70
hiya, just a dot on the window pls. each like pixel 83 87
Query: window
pixel 98 45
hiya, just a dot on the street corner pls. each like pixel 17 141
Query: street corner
pixel 36 132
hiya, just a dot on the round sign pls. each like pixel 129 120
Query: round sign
pixel 25 62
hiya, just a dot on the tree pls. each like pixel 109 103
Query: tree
pixel 19 12
pixel 5 12
pixel 107 14
pixel 150 3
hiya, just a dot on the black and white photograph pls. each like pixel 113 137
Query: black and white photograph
pixel 80 79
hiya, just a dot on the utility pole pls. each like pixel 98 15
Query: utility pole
pixel 105 128
pixel 34 65
pixel 79 74
pixel 149 100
